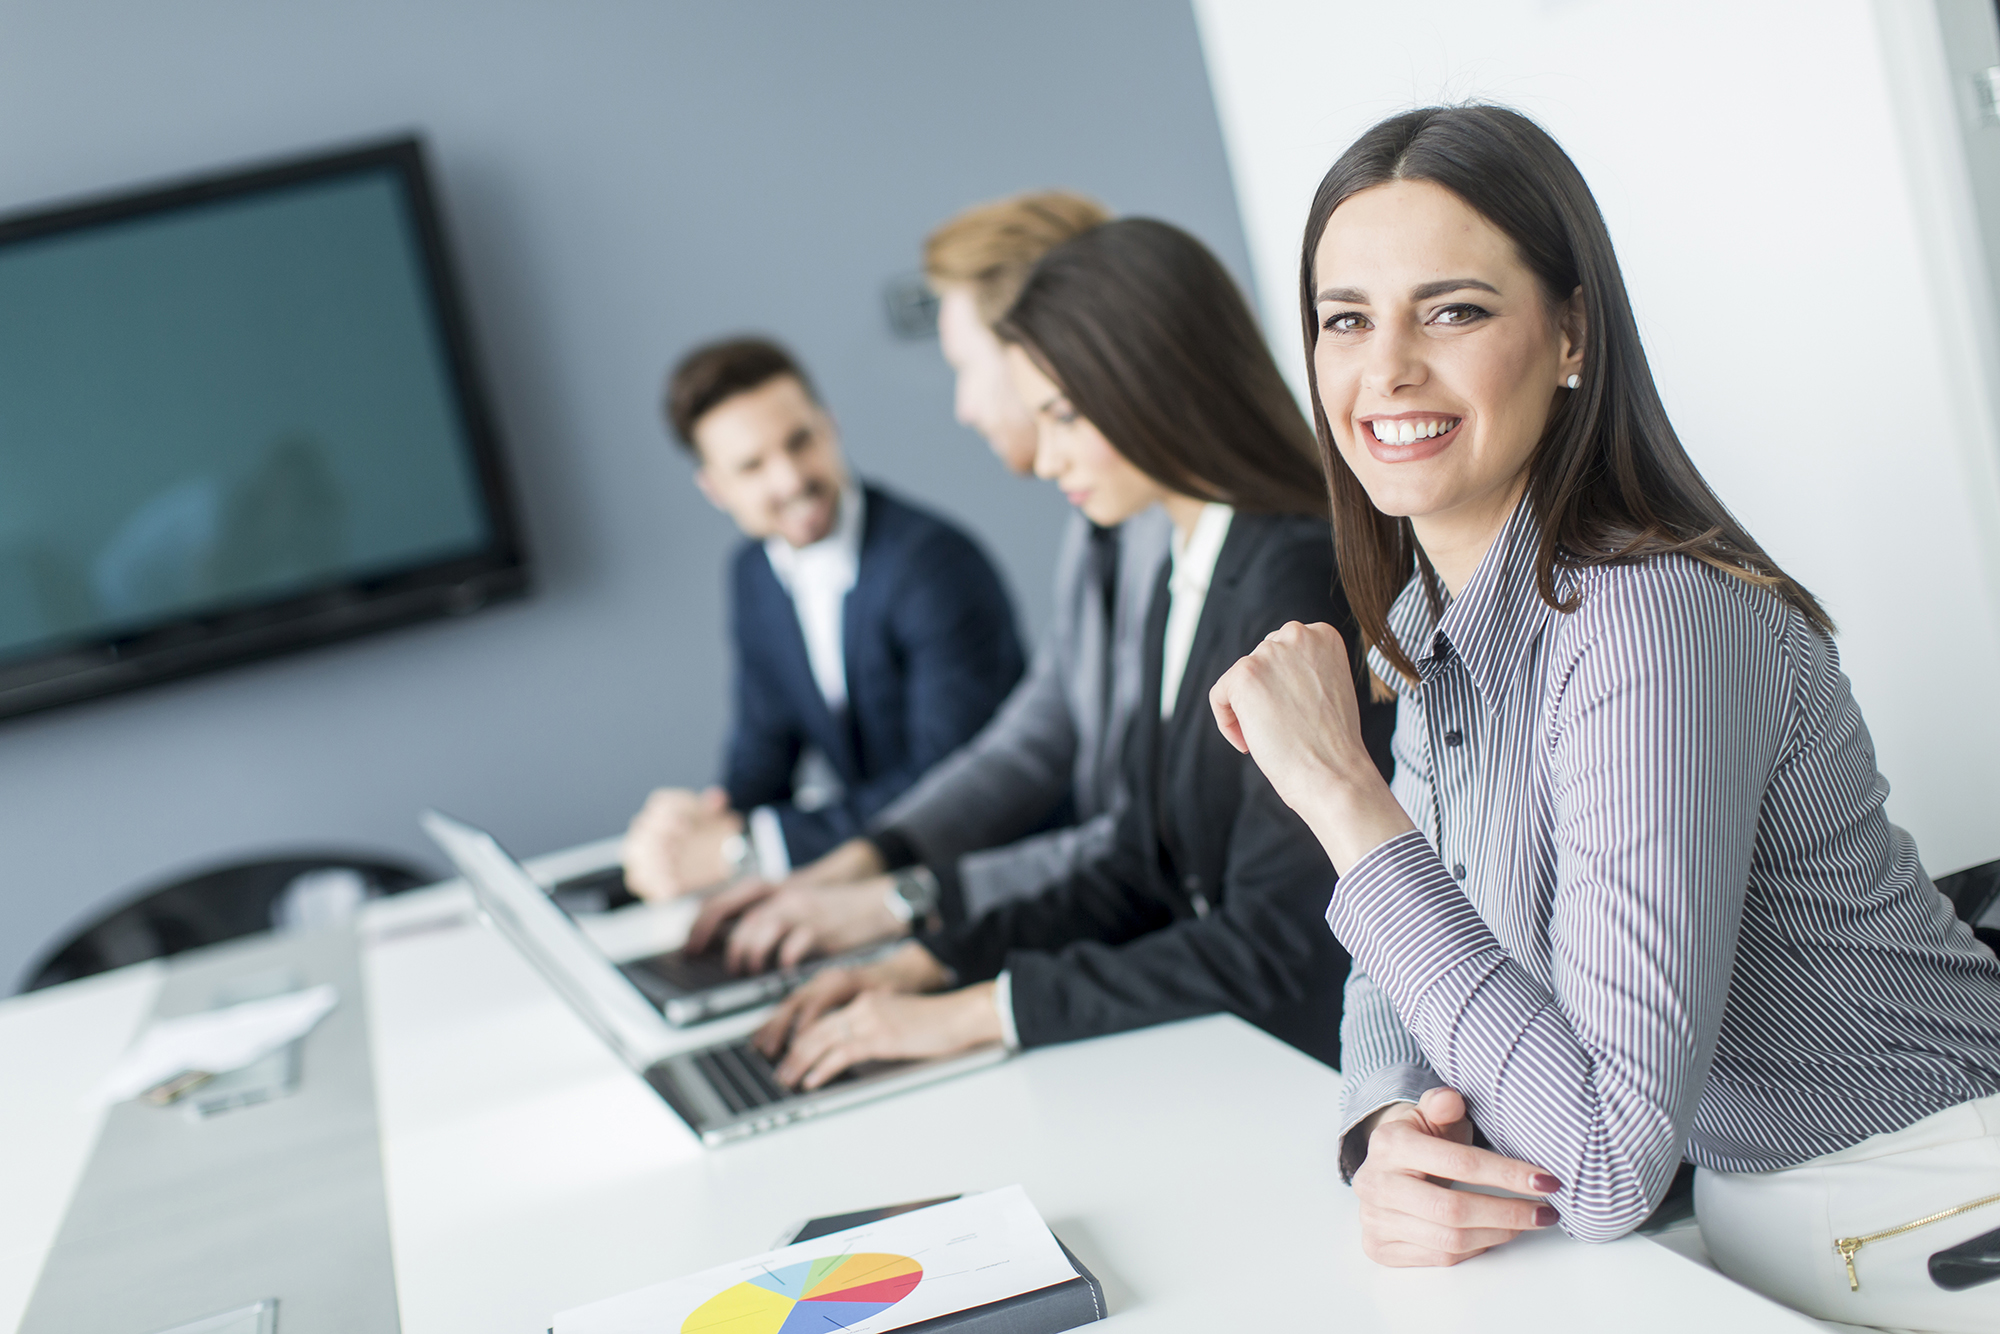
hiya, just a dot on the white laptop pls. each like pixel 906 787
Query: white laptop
pixel 693 988
pixel 725 1091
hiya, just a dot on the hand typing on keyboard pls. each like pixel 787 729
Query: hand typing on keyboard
pixel 845 1016
pixel 761 925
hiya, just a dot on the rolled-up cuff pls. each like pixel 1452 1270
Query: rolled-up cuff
pixel 1408 924
pixel 1368 1094
pixel 1407 856
pixel 767 841
pixel 1003 1004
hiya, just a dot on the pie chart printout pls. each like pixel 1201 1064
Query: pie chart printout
pixel 812 1297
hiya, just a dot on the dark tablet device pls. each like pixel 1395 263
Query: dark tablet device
pixel 814 1228
pixel 594 891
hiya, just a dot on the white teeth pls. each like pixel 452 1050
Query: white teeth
pixel 1408 432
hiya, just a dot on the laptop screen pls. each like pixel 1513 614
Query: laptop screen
pixel 581 974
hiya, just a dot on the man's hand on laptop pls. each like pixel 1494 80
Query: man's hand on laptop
pixel 845 1016
pixel 675 844
pixel 784 925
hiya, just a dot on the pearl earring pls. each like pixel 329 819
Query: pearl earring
pixel 1573 381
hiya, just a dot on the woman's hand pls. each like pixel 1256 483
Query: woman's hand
pixel 721 908
pixel 1410 1216
pixel 885 1026
pixel 911 969
pixel 845 1016
pixel 1290 706
pixel 788 924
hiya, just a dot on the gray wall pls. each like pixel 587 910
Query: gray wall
pixel 621 180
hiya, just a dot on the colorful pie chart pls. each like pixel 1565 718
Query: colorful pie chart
pixel 811 1297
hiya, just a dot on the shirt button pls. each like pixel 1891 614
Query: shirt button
pixel 1453 737
pixel 1458 871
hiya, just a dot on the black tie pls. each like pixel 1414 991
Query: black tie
pixel 1104 578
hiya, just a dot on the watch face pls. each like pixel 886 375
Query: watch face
pixel 919 889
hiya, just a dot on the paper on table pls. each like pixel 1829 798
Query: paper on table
pixel 215 1040
pixel 972 1251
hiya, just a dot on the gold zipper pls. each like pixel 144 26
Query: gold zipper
pixel 1847 1246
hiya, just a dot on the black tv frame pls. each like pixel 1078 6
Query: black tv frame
pixel 75 670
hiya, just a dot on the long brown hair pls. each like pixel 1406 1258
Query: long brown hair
pixel 1142 329
pixel 1609 482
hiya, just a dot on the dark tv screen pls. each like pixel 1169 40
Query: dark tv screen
pixel 238 417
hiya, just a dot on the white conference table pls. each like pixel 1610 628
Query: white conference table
pixel 1191 1166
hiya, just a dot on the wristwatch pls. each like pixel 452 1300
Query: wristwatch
pixel 741 856
pixel 913 896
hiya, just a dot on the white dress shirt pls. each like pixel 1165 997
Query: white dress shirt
pixel 1194 557
pixel 817 578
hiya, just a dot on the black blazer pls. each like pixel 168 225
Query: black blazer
pixel 1214 894
pixel 930 648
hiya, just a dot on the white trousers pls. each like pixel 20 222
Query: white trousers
pixel 1775 1231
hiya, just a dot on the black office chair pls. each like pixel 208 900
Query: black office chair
pixel 1972 892
pixel 207 909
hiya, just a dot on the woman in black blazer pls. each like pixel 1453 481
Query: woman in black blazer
pixel 1150 384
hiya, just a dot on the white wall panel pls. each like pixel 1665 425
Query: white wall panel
pixel 1789 201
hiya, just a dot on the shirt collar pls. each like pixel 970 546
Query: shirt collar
pixel 1490 625
pixel 840 548
pixel 1194 557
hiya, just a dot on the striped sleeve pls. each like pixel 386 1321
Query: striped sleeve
pixel 1661 738
pixel 1380 1063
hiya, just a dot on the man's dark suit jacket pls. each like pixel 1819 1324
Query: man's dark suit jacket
pixel 930 648
pixel 1214 894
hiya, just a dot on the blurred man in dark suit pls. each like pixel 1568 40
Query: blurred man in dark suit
pixel 871 638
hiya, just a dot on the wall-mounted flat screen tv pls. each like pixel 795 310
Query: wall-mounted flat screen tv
pixel 238 416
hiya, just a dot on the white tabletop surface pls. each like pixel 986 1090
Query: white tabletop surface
pixel 528 1171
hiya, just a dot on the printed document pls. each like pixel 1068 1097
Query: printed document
pixel 215 1041
pixel 879 1276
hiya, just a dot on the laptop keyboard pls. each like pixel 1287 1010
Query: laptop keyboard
pixel 741 1077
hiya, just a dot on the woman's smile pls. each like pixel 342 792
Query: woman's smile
pixel 1407 437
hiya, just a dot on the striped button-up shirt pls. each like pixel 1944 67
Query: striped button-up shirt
pixel 1652 908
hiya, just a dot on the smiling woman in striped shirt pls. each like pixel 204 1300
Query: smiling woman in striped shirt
pixel 1632 898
